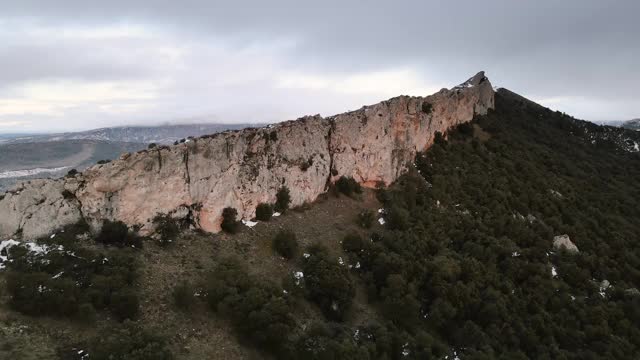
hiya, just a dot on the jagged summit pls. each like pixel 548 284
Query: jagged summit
pixel 240 169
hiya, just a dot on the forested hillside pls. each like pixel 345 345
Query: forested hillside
pixel 457 260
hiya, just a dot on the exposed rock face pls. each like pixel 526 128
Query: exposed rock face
pixel 36 208
pixel 240 169
pixel 563 241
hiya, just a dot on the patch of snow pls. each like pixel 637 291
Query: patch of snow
pixel 556 193
pixel 249 223
pixel 276 214
pixel 380 211
pixel 554 272
pixel 340 261
pixel 4 247
pixel 382 221
pixel 298 275
pixel 57 275
pixel 604 285
pixel 306 255
pixel 515 254
pixel 405 349
pixel 358 265
pixel 52 236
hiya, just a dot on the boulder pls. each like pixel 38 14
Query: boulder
pixel 563 241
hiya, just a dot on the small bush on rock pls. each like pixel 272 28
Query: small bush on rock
pixel 348 186
pixel 167 229
pixel 230 222
pixel 264 212
pixel 283 199
pixel 117 233
pixel 286 244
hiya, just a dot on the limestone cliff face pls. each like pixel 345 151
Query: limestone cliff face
pixel 241 169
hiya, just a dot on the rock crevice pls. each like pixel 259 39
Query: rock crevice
pixel 242 168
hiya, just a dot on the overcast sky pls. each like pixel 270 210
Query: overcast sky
pixel 71 65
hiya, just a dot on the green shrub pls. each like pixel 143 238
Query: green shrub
pixel 87 313
pixel 117 233
pixel 328 284
pixel 70 281
pixel 183 296
pixel 286 244
pixel 167 229
pixel 129 341
pixel 230 223
pixel 365 218
pixel 264 212
pixel 258 310
pixel 152 146
pixel 283 199
pixel 125 304
pixel 352 243
pixel 397 218
pixel 427 108
pixel 348 186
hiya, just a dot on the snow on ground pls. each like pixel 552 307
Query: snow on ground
pixel 250 223
pixel 554 272
pixel 381 221
pixel 276 214
pixel 298 275
pixel 29 172
pixel 34 248
pixel 4 249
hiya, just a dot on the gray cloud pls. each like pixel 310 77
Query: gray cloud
pixel 572 55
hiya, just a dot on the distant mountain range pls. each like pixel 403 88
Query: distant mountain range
pixel 628 124
pixel 164 134
pixel 632 124
pixel 27 156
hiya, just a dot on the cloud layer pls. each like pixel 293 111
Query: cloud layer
pixel 71 65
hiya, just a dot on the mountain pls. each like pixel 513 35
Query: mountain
pixel 23 161
pixel 163 134
pixel 243 168
pixel 511 234
pixel 632 124
pixel 53 155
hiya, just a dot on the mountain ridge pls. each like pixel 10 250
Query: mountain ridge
pixel 161 134
pixel 242 168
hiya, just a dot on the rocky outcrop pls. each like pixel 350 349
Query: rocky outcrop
pixel 241 169
pixel 563 241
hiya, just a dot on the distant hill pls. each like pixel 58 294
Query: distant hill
pixel 165 134
pixel 21 161
pixel 632 124
pixel 26 156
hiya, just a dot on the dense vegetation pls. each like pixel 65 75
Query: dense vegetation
pixel 62 278
pixel 466 265
pixel 468 258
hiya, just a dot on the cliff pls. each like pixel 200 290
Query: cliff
pixel 242 168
